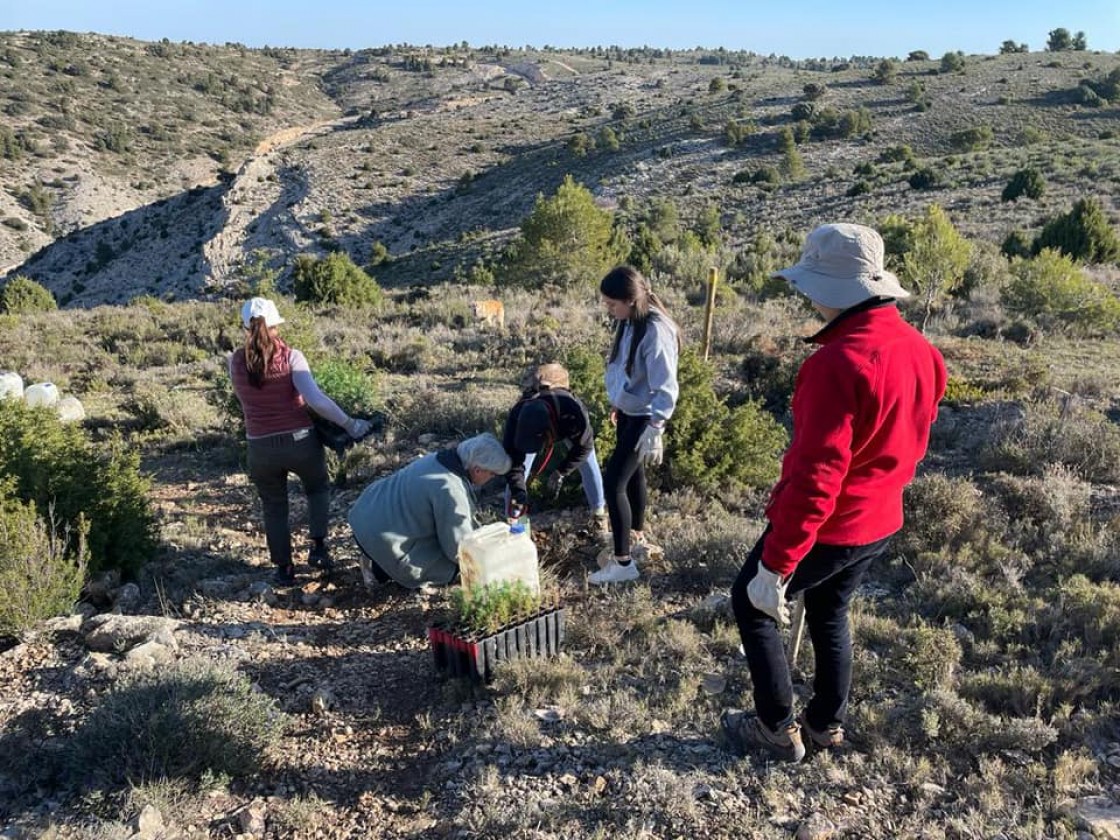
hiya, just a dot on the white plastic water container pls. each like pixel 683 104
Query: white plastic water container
pixel 41 394
pixel 496 553
pixel 70 410
pixel 11 385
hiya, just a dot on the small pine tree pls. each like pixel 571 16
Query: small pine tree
pixel 1083 233
pixel 937 259
pixel 1059 40
pixel 1028 182
pixel 58 468
pixel 792 165
pixel 566 240
pixel 335 279
pixel 712 446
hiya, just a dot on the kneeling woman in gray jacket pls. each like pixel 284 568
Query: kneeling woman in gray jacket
pixel 409 524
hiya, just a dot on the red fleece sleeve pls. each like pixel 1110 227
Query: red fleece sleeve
pixel 825 403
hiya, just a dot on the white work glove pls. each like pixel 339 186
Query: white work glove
pixel 357 428
pixel 650 448
pixel 767 593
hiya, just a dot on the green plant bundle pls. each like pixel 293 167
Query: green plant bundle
pixel 486 608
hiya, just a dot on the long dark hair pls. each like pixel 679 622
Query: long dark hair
pixel 260 347
pixel 627 284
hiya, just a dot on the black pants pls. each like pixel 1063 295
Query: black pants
pixel 270 460
pixel 829 576
pixel 624 482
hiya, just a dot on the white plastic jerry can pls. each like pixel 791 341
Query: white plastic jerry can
pixel 70 410
pixel 41 394
pixel 495 553
pixel 11 385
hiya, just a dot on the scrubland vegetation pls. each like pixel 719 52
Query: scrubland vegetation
pixel 985 693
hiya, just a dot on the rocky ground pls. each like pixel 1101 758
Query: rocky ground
pixel 376 738
pixel 378 744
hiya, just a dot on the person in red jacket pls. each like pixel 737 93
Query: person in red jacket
pixel 863 404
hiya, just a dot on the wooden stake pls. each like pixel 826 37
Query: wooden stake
pixel 797 628
pixel 709 310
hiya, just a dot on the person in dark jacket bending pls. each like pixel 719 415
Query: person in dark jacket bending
pixel 548 415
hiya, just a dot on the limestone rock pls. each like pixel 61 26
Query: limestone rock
pixel 111 632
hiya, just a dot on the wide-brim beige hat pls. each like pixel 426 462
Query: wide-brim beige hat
pixel 842 265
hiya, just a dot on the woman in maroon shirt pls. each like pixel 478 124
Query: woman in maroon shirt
pixel 275 388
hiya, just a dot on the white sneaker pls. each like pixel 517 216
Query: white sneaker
pixel 614 572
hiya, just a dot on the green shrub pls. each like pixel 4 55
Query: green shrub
pixel 586 370
pixel 930 657
pixel 711 446
pixel 972 139
pixel 1028 182
pixel 766 176
pixel 1056 293
pixel 188 722
pixel 941 513
pixel 1078 437
pixel 41 572
pixel 959 390
pixel 56 466
pixel 1091 613
pixel 22 295
pixel 925 179
pixel 352 388
pixel 896 154
pixel 859 188
pixel 944 718
pixel 335 279
pixel 952 62
pixel 1083 233
pixel 1016 244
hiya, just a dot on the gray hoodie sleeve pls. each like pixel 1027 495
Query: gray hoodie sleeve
pixel 659 350
pixel 316 400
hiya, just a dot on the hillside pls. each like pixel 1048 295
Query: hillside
pixel 279 152
pixel 139 179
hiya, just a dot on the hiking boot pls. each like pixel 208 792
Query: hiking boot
pixel 745 732
pixel 284 575
pixel 319 557
pixel 614 572
pixel 829 738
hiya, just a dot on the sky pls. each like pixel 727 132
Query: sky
pixel 795 28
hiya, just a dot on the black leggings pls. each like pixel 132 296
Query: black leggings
pixel 624 482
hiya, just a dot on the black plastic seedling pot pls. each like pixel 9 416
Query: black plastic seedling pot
pixel 459 653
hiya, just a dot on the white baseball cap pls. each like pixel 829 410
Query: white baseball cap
pixel 842 265
pixel 259 307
